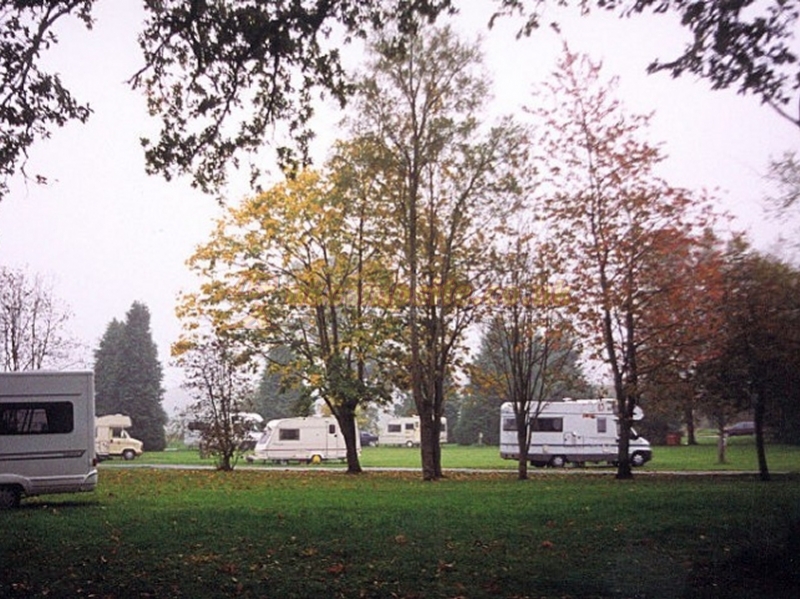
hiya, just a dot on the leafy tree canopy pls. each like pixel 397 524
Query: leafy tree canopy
pixel 744 45
pixel 32 100
pixel 210 62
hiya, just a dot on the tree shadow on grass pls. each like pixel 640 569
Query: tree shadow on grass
pixel 67 504
pixel 758 571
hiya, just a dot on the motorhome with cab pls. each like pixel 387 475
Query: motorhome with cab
pixel 46 434
pixel 312 439
pixel 405 431
pixel 112 438
pixel 572 431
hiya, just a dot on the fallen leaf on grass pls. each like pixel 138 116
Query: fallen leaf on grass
pixel 445 566
pixel 336 569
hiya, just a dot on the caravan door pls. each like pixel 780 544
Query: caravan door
pixel 334 441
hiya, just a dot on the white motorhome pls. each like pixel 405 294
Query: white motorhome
pixel 112 438
pixel 46 434
pixel 572 431
pixel 405 430
pixel 312 439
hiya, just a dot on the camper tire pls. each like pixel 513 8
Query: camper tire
pixel 558 461
pixel 409 444
pixel 128 454
pixel 637 459
pixel 315 459
pixel 9 497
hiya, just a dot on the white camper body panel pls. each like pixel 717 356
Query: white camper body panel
pixel 405 430
pixel 46 434
pixel 576 431
pixel 112 438
pixel 310 439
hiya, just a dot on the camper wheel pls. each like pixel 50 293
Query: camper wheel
pixel 558 461
pixel 9 497
pixel 128 454
pixel 409 444
pixel 637 459
pixel 316 459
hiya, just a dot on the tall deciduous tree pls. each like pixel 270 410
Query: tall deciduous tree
pixel 531 335
pixel 289 269
pixel 32 323
pixel 446 181
pixel 129 375
pixel 607 211
pixel 757 367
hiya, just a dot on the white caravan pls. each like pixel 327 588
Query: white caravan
pixel 46 434
pixel 310 439
pixel 576 431
pixel 404 430
pixel 112 438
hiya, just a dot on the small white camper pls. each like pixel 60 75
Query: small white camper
pixel 46 434
pixel 405 431
pixel 572 431
pixel 112 438
pixel 312 439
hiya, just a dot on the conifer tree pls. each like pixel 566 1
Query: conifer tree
pixel 128 376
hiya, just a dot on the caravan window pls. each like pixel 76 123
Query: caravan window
pixel 394 428
pixel 601 425
pixel 36 418
pixel 509 424
pixel 409 426
pixel 289 434
pixel 548 425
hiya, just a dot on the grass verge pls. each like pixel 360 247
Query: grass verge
pixel 197 534
pixel 741 456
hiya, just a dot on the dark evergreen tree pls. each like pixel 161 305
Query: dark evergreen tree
pixel 479 413
pixel 107 366
pixel 274 398
pixel 128 377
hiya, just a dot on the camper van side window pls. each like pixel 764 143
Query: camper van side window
pixel 601 425
pixel 509 424
pixel 394 428
pixel 548 425
pixel 289 434
pixel 409 426
pixel 36 418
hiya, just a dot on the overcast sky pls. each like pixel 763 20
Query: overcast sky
pixel 107 235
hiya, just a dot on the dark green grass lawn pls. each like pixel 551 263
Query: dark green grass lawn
pixel 321 533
